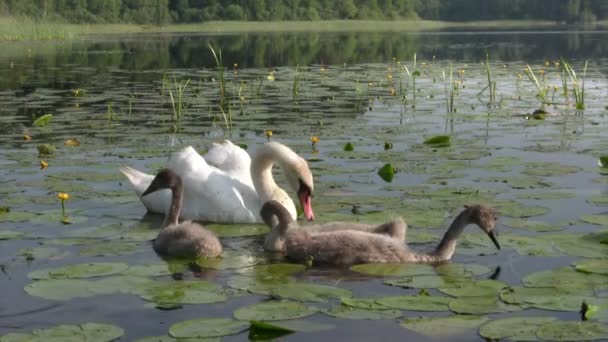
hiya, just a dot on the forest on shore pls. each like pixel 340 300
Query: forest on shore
pixel 160 12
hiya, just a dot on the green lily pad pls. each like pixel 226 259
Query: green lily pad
pixel 603 161
pixel 546 195
pixel 393 269
pixel 531 225
pixel 520 182
pixel 83 332
pixel 59 289
pixel 577 245
pixel 419 282
pixel 545 169
pixel 566 278
pixel 387 172
pixel 598 200
pixel 478 288
pixel 261 331
pixel 236 230
pixel 207 327
pixel 45 150
pixel 307 292
pixel 148 270
pixel 126 284
pixel 349 147
pixel 416 303
pixel 593 266
pixel 88 270
pixel 70 241
pixel 481 305
pixel 439 141
pixel 363 303
pixel 42 120
pixel 96 232
pixel 548 298
pixel 572 331
pixel 302 325
pixel 443 327
pixel 110 248
pixel 229 259
pixel 10 235
pixel 17 216
pixel 39 253
pixel 270 273
pixel 501 164
pixel 596 219
pixel 514 328
pixel 462 270
pixel 253 285
pixel 348 312
pixel 274 311
pixel 516 209
pixel 182 292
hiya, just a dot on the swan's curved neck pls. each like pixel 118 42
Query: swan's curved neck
pixel 261 168
pixel 446 247
pixel 177 195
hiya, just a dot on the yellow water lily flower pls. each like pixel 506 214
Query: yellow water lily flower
pixel 27 137
pixel 43 165
pixel 392 91
pixel 314 139
pixel 268 134
pixel 72 142
pixel 63 196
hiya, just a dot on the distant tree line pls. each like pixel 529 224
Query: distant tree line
pixel 188 11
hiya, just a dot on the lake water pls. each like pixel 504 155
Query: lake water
pixel 110 100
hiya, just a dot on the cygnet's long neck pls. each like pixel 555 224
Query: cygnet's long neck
pixel 177 195
pixel 261 168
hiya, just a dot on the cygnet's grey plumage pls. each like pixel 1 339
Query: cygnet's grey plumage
pixel 275 239
pixel 186 239
pixel 348 247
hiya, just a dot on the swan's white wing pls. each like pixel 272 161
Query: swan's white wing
pixel 231 159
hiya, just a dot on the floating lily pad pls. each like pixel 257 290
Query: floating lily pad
pixel 236 230
pixel 148 270
pixel 566 278
pixel 349 312
pixel 96 232
pixel 271 272
pixel 593 266
pixel 596 219
pixel 83 332
pixel 10 235
pixel 38 253
pixel 17 216
pixel 443 327
pixel 363 303
pixel 70 241
pixel 577 245
pixel 261 331
pixel 302 325
pixel 547 298
pixel 274 311
pixel 207 327
pixel 307 292
pixel 42 120
pixel 544 169
pixel 349 147
pixel 547 195
pixel 572 331
pixel 387 172
pixel 516 209
pixel 59 289
pixel 532 225
pixel 416 303
pixel 393 269
pixel 183 292
pixel 521 182
pixel 478 288
pixel 109 248
pixel 514 328
pixel 229 259
pixel 481 305
pixel 127 284
pixel 603 161
pixel 88 270
pixel 462 270
pixel 419 282
pixel 439 141
pixel 598 200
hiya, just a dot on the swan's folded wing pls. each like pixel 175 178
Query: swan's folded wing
pixel 186 160
pixel 231 159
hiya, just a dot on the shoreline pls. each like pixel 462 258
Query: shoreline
pixel 14 29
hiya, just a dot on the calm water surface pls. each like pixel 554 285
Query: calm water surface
pixel 112 94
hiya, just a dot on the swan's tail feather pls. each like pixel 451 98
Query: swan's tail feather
pixel 139 180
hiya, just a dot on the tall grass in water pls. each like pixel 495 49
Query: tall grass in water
pixel 578 89
pixel 541 88
pixel 415 73
pixel 179 106
pixel 296 83
pixel 224 102
pixel 491 86
pixel 450 90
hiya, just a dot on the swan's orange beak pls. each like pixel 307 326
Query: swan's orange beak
pixel 306 202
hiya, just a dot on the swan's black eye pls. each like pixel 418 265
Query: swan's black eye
pixel 304 189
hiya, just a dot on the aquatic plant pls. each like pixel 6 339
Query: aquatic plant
pixel 540 85
pixel 296 83
pixel 578 86
pixel 268 134
pixel 178 105
pixel 450 89
pixel 224 102
pixel 64 197
pixel 491 86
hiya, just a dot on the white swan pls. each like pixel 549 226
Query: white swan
pixel 226 185
pixel 186 239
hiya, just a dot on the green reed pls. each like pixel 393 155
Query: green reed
pixel 491 86
pixel 450 90
pixel 540 85
pixel 578 86
pixel 178 103
pixel 415 73
pixel 296 83
pixel 224 102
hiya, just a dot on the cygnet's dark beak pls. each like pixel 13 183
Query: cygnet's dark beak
pixel 493 238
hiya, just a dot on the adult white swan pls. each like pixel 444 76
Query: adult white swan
pixel 226 185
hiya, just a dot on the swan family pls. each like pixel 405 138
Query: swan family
pixel 227 185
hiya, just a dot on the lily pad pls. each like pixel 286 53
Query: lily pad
pixel 443 327
pixel 274 311
pixel 363 303
pixel 478 288
pixel 439 141
pixel 516 209
pixel 183 292
pixel 110 248
pixel 566 278
pixel 236 230
pixel 596 219
pixel 39 253
pixel 229 259
pixel 83 332
pixel 302 325
pixel 307 292
pixel 572 331
pixel 10 235
pixel 127 284
pixel 261 331
pixel 598 200
pixel 593 266
pixel 462 270
pixel 387 172
pixel 481 305
pixel 419 282
pixel 393 269
pixel 416 303
pixel 348 312
pixel 59 289
pixel 207 327
pixel 546 195
pixel 42 120
pixel 531 225
pixel 148 270
pixel 88 270
pixel 547 298
pixel 545 169
pixel 514 328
